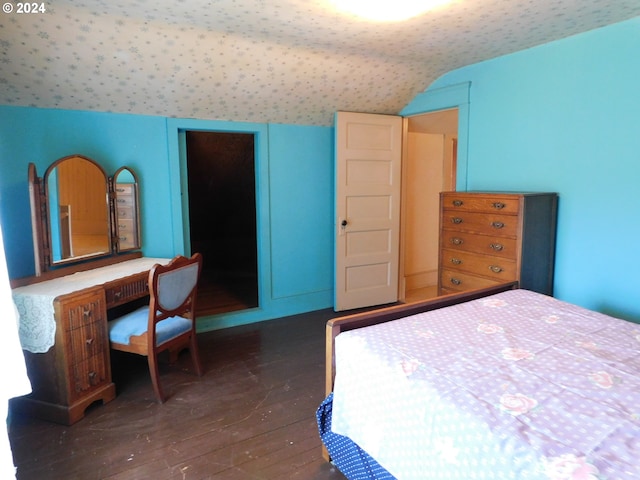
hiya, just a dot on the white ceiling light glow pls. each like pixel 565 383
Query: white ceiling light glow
pixel 387 10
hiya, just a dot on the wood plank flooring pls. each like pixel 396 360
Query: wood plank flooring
pixel 216 296
pixel 250 417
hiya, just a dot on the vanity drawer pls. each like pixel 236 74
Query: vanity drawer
pixel 88 374
pixel 126 289
pixel 506 204
pixel 485 244
pixel 502 269
pixel 484 223
pixel 78 310
pixel 87 341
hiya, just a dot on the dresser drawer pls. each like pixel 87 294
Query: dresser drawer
pixel 485 223
pixel 124 188
pixel 124 201
pixel 506 204
pixel 485 244
pixel 501 269
pixel 124 212
pixel 459 281
pixel 126 241
pixel 125 225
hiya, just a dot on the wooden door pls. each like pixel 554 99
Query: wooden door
pixel 368 168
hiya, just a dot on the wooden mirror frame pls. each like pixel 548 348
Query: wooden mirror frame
pixel 40 223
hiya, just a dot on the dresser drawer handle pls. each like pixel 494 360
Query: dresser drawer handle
pixel 495 268
pixel 457 203
pixel 456 220
pixel 457 241
pixel 497 225
pixel 456 281
pixel 87 313
pixel 456 261
pixel 89 341
pixel 496 246
pixel 498 205
pixel 117 294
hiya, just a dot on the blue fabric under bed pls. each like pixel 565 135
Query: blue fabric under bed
pixel 348 457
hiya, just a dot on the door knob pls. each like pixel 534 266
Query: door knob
pixel 343 223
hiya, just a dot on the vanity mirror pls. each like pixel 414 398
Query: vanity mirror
pixel 78 213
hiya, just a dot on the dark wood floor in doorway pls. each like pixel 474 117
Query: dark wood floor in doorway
pixel 250 417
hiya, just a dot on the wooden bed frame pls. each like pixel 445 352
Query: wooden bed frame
pixel 386 314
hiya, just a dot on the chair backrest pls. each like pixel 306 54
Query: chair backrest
pixel 173 287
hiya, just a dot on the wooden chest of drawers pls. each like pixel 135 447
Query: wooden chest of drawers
pixel 488 238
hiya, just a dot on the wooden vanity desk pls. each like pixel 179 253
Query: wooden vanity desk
pixel 64 334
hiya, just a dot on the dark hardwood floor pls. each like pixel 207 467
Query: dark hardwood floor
pixel 227 295
pixel 251 416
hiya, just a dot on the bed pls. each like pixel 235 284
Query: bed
pixel 501 383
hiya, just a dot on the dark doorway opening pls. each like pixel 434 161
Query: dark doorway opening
pixel 222 218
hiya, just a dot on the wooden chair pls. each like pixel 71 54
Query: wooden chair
pixel 168 322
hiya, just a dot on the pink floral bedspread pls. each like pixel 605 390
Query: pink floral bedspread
pixel 514 386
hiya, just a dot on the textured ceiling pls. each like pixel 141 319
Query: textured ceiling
pixel 279 61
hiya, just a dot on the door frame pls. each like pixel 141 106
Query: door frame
pixel 447 98
pixel 179 193
pixel 446 182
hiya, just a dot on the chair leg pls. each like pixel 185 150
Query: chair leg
pixel 155 376
pixel 195 355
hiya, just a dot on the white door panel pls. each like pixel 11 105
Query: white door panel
pixel 368 166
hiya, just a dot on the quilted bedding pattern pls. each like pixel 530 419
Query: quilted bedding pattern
pixel 517 385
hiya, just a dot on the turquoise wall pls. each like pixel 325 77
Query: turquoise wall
pixel 561 117
pixel 41 136
pixel 565 117
pixel 294 194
